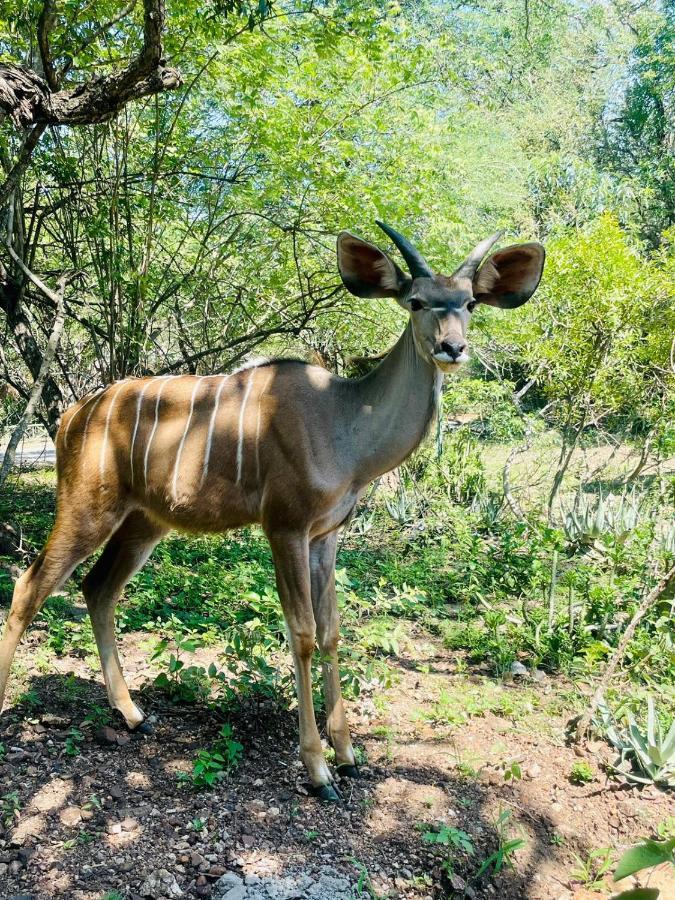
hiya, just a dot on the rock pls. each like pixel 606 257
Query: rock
pixel 533 771
pixel 106 736
pixel 70 816
pixel 227 881
pixel 457 883
pixel 114 828
pixel 236 893
pixel 161 884
pixel 52 721
pixel 518 669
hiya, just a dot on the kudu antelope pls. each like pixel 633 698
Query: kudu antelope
pixel 281 443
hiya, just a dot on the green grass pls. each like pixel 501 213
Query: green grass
pixel 495 590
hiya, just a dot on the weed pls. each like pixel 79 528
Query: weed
pixel 666 829
pixel 581 773
pixel 591 872
pixel 448 837
pixel 30 700
pixel 98 716
pixel 364 885
pixel 92 803
pixel 211 766
pixel 506 847
pixel 512 771
pixel 9 807
pixel 73 741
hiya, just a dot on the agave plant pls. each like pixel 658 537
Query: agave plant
pixel 645 757
pixel 403 508
pixel 590 519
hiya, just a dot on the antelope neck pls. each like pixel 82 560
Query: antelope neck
pixel 389 410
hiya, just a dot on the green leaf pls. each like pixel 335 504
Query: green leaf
pixel 645 856
pixel 638 894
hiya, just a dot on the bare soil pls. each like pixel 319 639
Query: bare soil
pixel 109 816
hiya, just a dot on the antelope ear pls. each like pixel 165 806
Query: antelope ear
pixel 367 271
pixel 510 276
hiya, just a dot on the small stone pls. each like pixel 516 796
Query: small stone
pixel 228 881
pixel 533 771
pixel 114 828
pixel 70 816
pixel 53 721
pixel 518 669
pixel 160 884
pixel 106 736
pixel 237 893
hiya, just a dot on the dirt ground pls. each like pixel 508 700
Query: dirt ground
pixel 107 817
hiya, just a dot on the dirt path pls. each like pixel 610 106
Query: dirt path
pixel 85 820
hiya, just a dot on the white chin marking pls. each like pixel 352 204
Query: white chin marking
pixel 447 364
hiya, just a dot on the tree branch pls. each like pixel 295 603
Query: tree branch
pixel 36 392
pixel 31 100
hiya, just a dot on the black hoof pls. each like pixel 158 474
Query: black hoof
pixel 120 723
pixel 346 770
pixel 144 728
pixel 326 793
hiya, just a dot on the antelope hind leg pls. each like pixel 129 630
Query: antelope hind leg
pixel 125 553
pixel 67 546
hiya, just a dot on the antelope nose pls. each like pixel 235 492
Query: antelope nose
pixel 453 348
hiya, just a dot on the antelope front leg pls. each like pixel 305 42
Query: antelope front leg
pixel 291 561
pixel 324 601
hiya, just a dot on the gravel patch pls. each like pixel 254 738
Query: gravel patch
pixel 323 884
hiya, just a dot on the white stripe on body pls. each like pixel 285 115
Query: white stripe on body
pixel 167 378
pixel 104 445
pixel 212 425
pixel 176 467
pixel 86 425
pixel 240 442
pixel 74 415
pixel 257 430
pixel 139 403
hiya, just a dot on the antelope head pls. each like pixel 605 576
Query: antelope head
pixel 440 306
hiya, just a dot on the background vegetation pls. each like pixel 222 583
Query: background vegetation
pixel 197 226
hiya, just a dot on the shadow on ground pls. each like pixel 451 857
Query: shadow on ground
pixel 82 819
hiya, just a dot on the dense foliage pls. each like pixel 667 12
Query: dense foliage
pixel 201 224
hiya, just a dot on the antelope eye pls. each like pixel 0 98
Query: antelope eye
pixel 471 305
pixel 415 304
